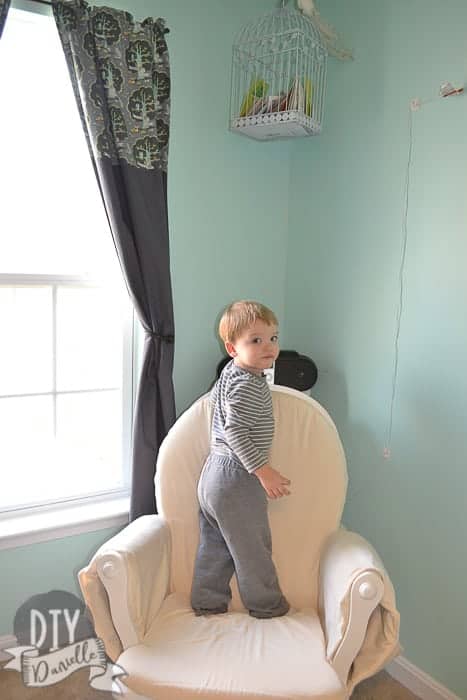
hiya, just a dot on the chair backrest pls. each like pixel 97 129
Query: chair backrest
pixel 306 448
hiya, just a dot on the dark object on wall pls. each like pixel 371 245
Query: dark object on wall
pixel 294 370
pixel 291 369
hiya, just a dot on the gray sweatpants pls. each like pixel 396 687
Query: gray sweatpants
pixel 234 536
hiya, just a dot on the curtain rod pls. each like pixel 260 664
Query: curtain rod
pixel 42 2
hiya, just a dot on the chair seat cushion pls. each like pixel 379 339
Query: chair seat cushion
pixel 230 656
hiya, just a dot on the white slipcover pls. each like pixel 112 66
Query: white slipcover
pixel 169 654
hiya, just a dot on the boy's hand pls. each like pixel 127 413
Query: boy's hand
pixel 272 481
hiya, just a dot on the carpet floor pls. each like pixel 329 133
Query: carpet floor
pixel 76 687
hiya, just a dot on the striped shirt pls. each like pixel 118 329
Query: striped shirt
pixel 243 422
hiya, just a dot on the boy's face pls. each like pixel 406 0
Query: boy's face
pixel 256 348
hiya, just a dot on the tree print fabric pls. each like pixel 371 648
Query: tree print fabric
pixel 4 5
pixel 120 74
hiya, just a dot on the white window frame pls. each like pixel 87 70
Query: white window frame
pixel 29 524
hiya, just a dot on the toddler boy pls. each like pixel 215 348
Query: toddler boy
pixel 237 478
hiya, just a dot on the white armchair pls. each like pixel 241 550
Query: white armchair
pixel 343 626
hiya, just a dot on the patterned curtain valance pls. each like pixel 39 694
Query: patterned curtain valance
pixel 121 78
pixel 4 5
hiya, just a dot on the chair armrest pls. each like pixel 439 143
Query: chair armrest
pixel 133 567
pixel 353 583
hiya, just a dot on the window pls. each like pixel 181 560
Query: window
pixel 65 318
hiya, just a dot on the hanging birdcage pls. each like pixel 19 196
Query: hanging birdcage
pixel 278 77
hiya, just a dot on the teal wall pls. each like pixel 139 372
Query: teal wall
pixel 228 225
pixel 346 211
pixel 228 196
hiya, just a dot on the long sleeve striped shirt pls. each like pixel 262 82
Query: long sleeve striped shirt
pixel 243 421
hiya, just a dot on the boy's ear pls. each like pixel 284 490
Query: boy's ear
pixel 230 349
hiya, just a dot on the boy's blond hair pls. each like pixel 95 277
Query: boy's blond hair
pixel 239 315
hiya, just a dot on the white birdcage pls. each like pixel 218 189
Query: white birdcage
pixel 278 77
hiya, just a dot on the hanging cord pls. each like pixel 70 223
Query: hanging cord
pixel 387 449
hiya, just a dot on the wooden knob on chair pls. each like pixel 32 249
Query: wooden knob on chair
pixel 109 570
pixel 367 590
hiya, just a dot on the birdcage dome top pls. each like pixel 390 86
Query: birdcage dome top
pixel 280 24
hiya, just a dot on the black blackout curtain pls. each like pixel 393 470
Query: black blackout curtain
pixel 4 5
pixel 119 69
